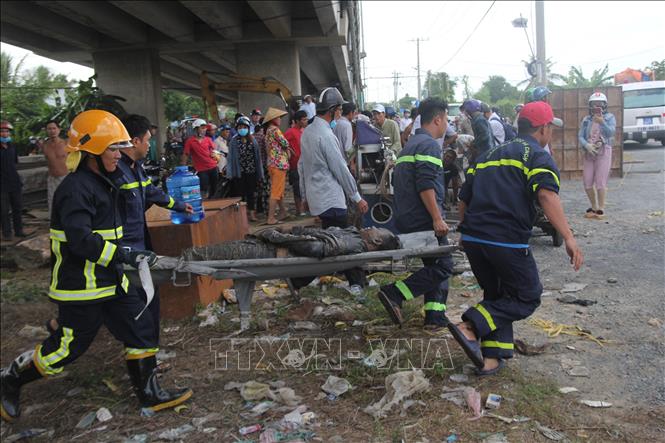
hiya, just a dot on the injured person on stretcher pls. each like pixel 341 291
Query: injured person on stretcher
pixel 299 242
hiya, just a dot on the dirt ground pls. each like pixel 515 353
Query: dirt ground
pixel 626 370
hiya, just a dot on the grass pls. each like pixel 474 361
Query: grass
pixel 20 287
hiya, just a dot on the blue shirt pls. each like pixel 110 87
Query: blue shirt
pixel 418 168
pixel 500 189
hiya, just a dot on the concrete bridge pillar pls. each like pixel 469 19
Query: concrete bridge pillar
pixel 278 60
pixel 135 76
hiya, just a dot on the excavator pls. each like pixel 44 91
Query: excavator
pixel 237 83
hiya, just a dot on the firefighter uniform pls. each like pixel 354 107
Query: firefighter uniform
pixel 87 278
pixel 499 194
pixel 87 281
pixel 419 168
pixel 137 194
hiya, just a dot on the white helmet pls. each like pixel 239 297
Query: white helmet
pixel 199 122
pixel 597 97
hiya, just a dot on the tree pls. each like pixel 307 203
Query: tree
pixel 178 105
pixel 549 73
pixel 576 78
pixel 658 68
pixel 439 84
pixel 496 88
pixel 467 90
pixel 406 102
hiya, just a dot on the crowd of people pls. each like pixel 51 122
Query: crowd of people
pixel 98 220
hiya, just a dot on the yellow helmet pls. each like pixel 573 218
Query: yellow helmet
pixel 94 131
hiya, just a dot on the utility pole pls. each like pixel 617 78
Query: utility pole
pixel 540 43
pixel 418 40
pixel 395 85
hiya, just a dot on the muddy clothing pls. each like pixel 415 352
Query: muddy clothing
pixel 300 242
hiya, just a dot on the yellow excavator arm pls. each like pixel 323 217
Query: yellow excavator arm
pixel 240 83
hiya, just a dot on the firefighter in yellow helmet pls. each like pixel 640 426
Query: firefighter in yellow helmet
pixel 87 281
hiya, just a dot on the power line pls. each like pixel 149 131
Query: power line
pixel 467 39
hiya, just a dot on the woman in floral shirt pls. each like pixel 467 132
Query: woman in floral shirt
pixel 278 163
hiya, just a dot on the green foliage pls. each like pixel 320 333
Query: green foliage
pixel 576 78
pixel 23 97
pixel 406 102
pixel 496 88
pixel 658 67
pixel 439 84
pixel 178 105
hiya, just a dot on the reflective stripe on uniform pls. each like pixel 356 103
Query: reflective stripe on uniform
pixel 434 306
pixel 419 158
pixel 89 273
pixel 139 353
pixel 487 316
pixel 171 203
pixel 45 363
pixel 497 344
pixel 515 163
pixel 404 289
pixel 107 254
pixel 542 170
pixel 82 294
pixel 125 283
pixel 55 247
pixel 134 185
pixel 110 234
pixel 107 234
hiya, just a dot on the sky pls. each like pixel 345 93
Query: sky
pixel 587 34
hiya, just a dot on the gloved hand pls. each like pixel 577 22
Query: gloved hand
pixel 133 257
pixel 591 148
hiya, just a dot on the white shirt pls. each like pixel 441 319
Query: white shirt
pixel 497 128
pixel 221 146
pixel 309 108
pixel 449 131
pixel 403 123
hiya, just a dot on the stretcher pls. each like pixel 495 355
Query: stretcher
pixel 245 273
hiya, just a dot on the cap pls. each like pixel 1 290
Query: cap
pixel 256 111
pixel 225 127
pixel 378 108
pixel 539 114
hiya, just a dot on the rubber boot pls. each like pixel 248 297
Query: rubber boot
pixel 143 374
pixel 19 372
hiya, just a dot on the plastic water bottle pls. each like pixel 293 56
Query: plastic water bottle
pixel 185 186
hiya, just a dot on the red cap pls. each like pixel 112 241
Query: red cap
pixel 540 114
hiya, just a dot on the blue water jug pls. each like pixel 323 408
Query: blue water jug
pixel 185 186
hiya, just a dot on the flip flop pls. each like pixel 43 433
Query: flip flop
pixel 471 347
pixel 482 373
pixel 393 310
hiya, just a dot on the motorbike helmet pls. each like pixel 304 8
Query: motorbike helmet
pixel 537 94
pixel 598 97
pixel 198 122
pixel 243 121
pixel 471 105
pixel 329 98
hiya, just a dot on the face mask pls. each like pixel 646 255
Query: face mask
pixel 333 124
pixel 5 139
pixel 243 132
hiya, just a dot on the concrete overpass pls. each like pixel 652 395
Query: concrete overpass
pixel 138 48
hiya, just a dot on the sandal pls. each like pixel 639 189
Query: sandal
pixel 393 310
pixel 471 347
pixel 590 213
pixel 600 214
pixel 484 373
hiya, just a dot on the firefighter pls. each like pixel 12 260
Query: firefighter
pixel 419 199
pixel 496 217
pixel 88 282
